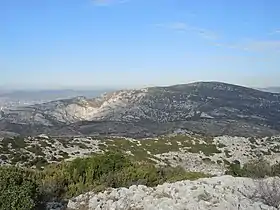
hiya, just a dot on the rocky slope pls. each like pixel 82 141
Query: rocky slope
pixel 210 155
pixel 205 107
pixel 218 193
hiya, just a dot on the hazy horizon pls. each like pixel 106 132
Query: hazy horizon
pixel 109 88
pixel 132 44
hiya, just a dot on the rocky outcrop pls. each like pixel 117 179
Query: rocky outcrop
pixel 217 193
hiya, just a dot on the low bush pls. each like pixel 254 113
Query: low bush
pixel 234 169
pixel 254 169
pixel 147 174
pixel 108 170
pixel 18 189
pixel 25 189
pixel 267 190
pixel 257 169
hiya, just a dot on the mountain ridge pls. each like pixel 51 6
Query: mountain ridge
pixel 202 104
pixel 271 89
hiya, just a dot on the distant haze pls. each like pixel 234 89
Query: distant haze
pixel 51 94
pixel 123 44
pixel 271 89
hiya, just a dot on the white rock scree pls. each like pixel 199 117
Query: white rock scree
pixel 217 193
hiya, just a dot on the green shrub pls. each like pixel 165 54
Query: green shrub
pixel 26 189
pixel 257 169
pixel 81 174
pixel 17 190
pixel 101 171
pixel 254 169
pixel 235 169
pixel 146 174
pixel 276 169
pixel 39 162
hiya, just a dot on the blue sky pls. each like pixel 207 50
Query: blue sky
pixel 134 43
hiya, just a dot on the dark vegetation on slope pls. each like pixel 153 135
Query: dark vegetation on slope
pixel 254 169
pixel 210 108
pixel 26 189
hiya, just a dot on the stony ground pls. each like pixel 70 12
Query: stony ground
pixel 217 193
pixel 193 152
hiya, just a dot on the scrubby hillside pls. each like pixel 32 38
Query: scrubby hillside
pixel 45 172
pixel 27 189
pixel 193 152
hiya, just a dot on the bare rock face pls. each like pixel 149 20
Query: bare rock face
pixel 205 107
pixel 218 193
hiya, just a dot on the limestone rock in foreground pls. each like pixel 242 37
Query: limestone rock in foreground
pixel 218 193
